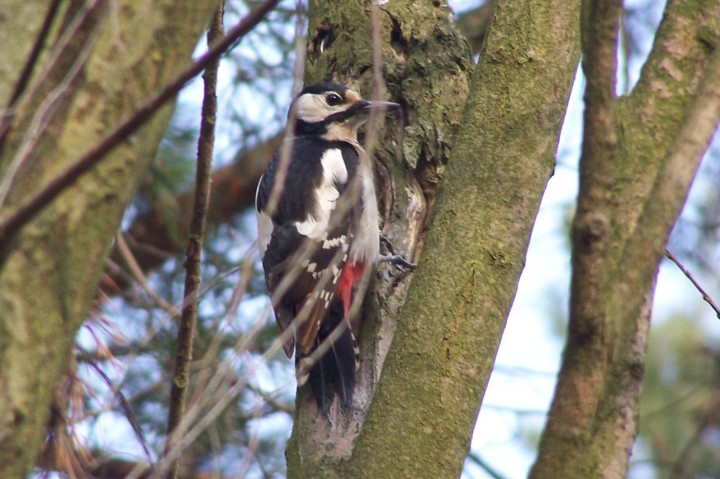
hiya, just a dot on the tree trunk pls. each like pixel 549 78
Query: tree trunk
pixel 422 416
pixel 88 79
pixel 421 53
pixel 639 156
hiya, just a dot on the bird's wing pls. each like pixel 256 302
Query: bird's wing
pixel 304 242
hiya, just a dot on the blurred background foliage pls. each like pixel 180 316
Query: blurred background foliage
pixel 113 404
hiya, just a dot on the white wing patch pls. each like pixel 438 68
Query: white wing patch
pixel 335 242
pixel 334 171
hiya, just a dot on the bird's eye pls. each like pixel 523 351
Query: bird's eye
pixel 333 99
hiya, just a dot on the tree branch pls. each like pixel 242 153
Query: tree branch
pixel 681 160
pixel 27 71
pixel 629 292
pixel 140 278
pixel 49 274
pixel 26 211
pixel 193 275
pixel 578 389
pixel 152 241
pixel 661 134
pixel 705 296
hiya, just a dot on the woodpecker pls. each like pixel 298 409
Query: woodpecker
pixel 318 235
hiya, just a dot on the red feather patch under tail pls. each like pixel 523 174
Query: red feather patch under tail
pixel 352 274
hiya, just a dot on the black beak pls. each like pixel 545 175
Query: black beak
pixel 368 106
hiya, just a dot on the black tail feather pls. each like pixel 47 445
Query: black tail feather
pixel 334 372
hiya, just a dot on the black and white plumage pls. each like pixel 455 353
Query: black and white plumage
pixel 320 238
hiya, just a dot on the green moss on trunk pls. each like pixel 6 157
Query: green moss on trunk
pixel 426 67
pixel 424 410
pixel 450 327
pixel 49 276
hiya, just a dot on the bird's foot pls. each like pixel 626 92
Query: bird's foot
pixel 396 259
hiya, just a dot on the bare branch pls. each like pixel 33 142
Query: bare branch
pixel 25 75
pixel 591 225
pixel 705 296
pixel 626 207
pixel 578 390
pixel 150 239
pixel 482 464
pixel 127 409
pixel 47 95
pixel 139 276
pixel 188 321
pixel 683 157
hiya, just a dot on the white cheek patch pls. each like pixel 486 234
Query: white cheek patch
pixel 312 108
pixel 334 171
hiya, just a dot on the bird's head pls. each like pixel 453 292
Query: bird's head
pixel 333 111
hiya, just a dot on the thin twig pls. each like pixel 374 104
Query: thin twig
pixel 270 399
pixel 28 69
pixel 127 409
pixel 188 321
pixel 139 276
pixel 253 445
pixel 285 149
pixel 217 395
pixel 482 464
pixel 24 78
pixel 28 209
pixel 55 85
pixel 246 273
pixel 705 296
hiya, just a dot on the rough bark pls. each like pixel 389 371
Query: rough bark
pixel 639 157
pixel 435 374
pixel 49 273
pixel 426 66
pixel 424 410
